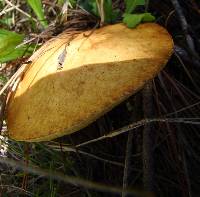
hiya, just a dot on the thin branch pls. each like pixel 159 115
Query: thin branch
pixel 18 189
pixel 4 11
pixel 71 149
pixel 13 79
pixel 18 9
pixel 2 109
pixel 194 121
pixel 184 108
pixel 148 136
pixel 185 26
pixel 100 6
pixel 68 179
pixel 127 165
pixel 129 146
pixel 187 72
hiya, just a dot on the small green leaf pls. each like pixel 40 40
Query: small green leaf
pixel 9 39
pixel 15 53
pixel 132 20
pixel 6 21
pixel 148 17
pixel 36 5
pixel 8 42
pixel 132 4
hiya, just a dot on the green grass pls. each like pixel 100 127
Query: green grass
pixel 37 7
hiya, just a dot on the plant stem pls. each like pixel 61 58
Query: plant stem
pixel 148 161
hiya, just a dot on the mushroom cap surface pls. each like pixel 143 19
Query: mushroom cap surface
pixel 99 72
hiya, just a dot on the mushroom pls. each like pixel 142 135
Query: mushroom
pixel 73 80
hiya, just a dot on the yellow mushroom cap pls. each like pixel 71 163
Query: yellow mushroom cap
pixel 99 71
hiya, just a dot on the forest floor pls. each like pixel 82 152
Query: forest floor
pixel 169 148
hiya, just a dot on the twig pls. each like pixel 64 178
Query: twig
pixel 187 176
pixel 179 92
pixel 194 121
pixel 184 26
pixel 148 161
pixel 184 108
pixel 4 11
pixel 2 110
pixel 71 149
pixel 13 79
pixel 102 12
pixel 187 72
pixel 100 6
pixel 16 7
pixel 68 179
pixel 129 145
pixel 168 17
pixel 128 155
pixel 186 56
pixel 181 163
pixel 26 162
pixel 19 190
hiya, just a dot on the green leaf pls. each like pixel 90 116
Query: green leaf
pixel 9 39
pixel 15 53
pixel 148 17
pixel 110 14
pixel 36 5
pixel 132 4
pixel 6 21
pixel 93 8
pixel 73 2
pixel 132 20
pixel 90 6
pixel 87 5
pixel 8 42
